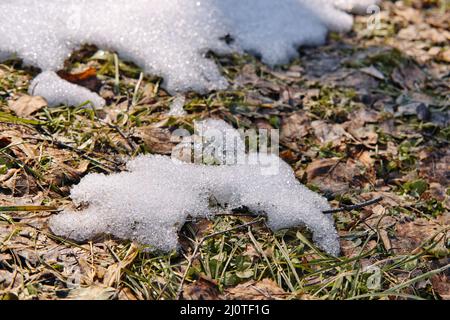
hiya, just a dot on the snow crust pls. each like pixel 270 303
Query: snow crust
pixel 169 38
pixel 150 202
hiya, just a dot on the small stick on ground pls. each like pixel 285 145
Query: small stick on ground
pixel 354 206
pixel 27 208
pixel 199 243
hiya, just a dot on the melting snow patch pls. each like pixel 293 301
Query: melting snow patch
pixel 177 106
pixel 151 201
pixel 59 91
pixel 169 38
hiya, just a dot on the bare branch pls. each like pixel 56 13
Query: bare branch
pixel 354 206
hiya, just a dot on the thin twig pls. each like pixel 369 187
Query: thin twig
pixel 354 206
pixel 197 248
pixel 27 208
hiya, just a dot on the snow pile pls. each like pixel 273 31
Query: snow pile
pixel 59 91
pixel 169 38
pixel 151 201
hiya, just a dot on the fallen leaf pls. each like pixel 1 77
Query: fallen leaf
pixel 265 289
pixel 114 272
pixel 26 105
pixel 126 294
pixel 445 56
pixel 321 167
pixel 336 176
pixel 158 140
pixel 328 133
pixel 435 166
pixel 409 76
pixel 94 292
pixel 441 285
pixel 294 128
pixel 202 289
pixel 87 78
pixel 374 72
pixel 410 235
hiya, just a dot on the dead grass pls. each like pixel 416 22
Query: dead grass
pixel 347 135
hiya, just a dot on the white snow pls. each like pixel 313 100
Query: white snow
pixel 58 91
pixel 151 201
pixel 169 38
pixel 177 106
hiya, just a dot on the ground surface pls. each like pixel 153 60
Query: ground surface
pixel 365 116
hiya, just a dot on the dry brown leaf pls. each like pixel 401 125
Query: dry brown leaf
pixel 388 199
pixel 87 78
pixel 61 174
pixel 13 141
pixel 20 183
pixel 365 158
pixel 289 156
pixel 350 250
pixel 202 289
pixel 114 271
pixel 126 294
pixel 265 289
pixel 27 105
pixel 6 279
pixel 409 76
pixel 5 256
pixel 441 285
pixel 158 140
pixel 362 116
pixel 294 128
pixel 94 292
pixel 445 56
pixel 321 167
pixel 336 176
pixel 435 166
pixel 366 135
pixel 327 133
pixel 410 235
pixel 409 14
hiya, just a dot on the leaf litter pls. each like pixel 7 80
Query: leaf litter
pixel 408 149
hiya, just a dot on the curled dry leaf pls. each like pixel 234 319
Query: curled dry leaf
pixel 27 105
pixel 87 78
